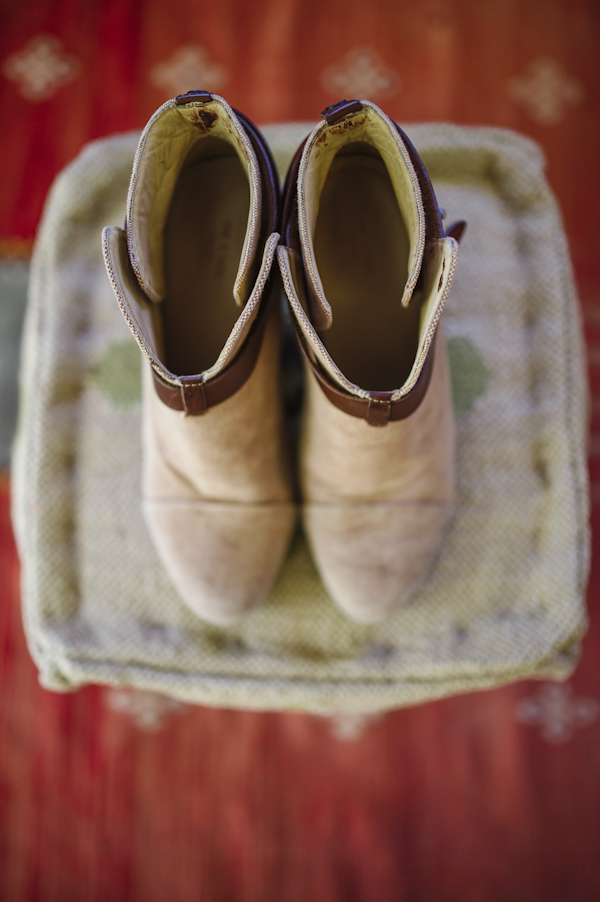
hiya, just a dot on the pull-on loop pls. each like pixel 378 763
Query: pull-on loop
pixel 337 111
pixel 193 97
pixel 193 397
pixel 379 409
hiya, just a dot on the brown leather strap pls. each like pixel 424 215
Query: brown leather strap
pixel 456 230
pixel 379 409
pixel 194 396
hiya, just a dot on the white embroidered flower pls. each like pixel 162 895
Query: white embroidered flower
pixel 361 75
pixel 546 91
pixel 40 68
pixel 148 710
pixel 349 726
pixel 188 68
pixel 556 712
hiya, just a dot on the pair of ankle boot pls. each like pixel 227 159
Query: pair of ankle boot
pixel 366 269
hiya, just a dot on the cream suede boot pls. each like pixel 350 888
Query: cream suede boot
pixel 367 269
pixel 192 275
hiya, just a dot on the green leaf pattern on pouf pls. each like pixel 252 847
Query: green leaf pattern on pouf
pixel 469 374
pixel 118 373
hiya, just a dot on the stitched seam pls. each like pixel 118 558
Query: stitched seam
pixel 134 326
pixel 170 104
pixel 418 366
pixel 250 310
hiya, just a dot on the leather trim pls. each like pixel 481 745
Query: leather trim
pixel 337 111
pixel 456 230
pixel 378 409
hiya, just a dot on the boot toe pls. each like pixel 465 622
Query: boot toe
pixel 373 557
pixel 222 558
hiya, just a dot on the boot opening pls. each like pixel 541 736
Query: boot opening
pixel 203 241
pixel 362 253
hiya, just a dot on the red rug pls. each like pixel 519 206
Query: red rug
pixel 481 798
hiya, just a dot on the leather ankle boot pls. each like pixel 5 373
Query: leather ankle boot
pixel 192 275
pixel 367 269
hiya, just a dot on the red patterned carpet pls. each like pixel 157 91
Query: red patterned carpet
pixel 482 798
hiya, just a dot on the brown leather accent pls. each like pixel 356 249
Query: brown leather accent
pixel 194 396
pixel 379 409
pixel 456 230
pixel 338 110
pixel 289 209
pixel 196 96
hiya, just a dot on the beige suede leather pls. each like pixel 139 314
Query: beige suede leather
pixel 217 493
pixel 367 283
pixel 377 501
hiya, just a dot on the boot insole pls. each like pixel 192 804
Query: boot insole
pixel 361 250
pixel 203 240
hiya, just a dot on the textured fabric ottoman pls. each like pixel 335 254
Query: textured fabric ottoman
pixel 505 599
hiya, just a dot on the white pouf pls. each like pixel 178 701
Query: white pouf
pixel 505 599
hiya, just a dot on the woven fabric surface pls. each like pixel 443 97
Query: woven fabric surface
pixel 505 598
